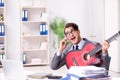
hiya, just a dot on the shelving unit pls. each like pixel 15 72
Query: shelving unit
pixel 2 32
pixel 34 32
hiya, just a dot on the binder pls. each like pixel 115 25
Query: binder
pixel 3 56
pixel 1 3
pixel 24 15
pixel 24 58
pixel 46 31
pixel 2 30
pixel 41 29
pixel 44 28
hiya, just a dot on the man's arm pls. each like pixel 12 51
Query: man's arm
pixel 59 57
pixel 57 61
pixel 106 61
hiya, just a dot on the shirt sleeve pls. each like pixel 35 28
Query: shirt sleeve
pixel 104 54
pixel 58 53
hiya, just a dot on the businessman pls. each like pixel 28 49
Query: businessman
pixel 72 34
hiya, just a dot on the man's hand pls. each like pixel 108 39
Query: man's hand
pixel 105 46
pixel 63 44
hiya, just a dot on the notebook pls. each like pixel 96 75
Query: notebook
pixel 13 70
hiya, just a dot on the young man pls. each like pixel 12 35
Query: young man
pixel 72 34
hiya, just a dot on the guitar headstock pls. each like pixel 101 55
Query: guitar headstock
pixel 119 32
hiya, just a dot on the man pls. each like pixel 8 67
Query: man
pixel 72 34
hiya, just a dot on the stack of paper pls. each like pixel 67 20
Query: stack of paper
pixel 77 72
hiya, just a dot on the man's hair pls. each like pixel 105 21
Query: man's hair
pixel 73 25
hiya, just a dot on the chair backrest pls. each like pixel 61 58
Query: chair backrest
pixel 109 62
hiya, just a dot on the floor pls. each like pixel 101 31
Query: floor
pixel 115 74
pixel 61 72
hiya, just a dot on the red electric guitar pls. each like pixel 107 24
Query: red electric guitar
pixel 88 55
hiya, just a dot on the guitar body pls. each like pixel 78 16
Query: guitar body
pixel 77 57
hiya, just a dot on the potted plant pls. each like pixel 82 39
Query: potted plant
pixel 57 26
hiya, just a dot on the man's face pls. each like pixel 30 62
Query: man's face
pixel 72 35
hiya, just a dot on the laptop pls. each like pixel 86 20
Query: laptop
pixel 13 70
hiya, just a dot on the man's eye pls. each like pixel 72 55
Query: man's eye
pixel 66 33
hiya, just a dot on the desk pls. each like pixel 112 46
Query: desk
pixel 41 69
pixel 3 78
pixel 62 71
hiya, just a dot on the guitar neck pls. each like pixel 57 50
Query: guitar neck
pixel 99 47
pixel 113 37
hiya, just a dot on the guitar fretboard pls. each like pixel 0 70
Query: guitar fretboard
pixel 99 47
pixel 113 37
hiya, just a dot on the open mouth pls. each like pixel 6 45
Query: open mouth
pixel 73 38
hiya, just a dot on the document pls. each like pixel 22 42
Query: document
pixel 77 72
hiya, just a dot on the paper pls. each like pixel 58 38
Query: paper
pixel 86 71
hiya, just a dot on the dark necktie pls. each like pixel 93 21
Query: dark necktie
pixel 77 47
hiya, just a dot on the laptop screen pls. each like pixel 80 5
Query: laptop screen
pixel 13 70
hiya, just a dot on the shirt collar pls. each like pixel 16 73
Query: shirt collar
pixel 80 44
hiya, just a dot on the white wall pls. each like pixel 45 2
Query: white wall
pixel 88 14
pixel 112 26
pixel 73 11
pixel 13 29
pixel 96 20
